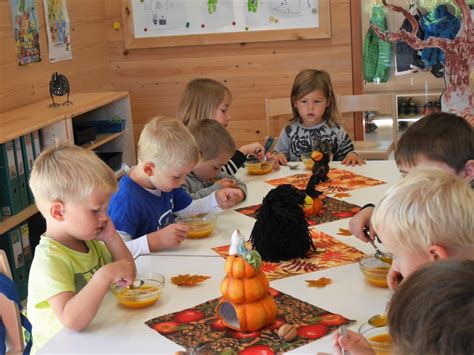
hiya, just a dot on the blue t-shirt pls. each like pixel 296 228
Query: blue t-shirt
pixel 136 211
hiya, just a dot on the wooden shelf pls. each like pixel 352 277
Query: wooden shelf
pixel 101 139
pixel 12 221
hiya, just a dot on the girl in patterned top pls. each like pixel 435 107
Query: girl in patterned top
pixel 314 121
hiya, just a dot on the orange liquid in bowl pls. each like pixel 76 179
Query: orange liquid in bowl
pixel 259 168
pixel 381 343
pixel 145 296
pixel 200 230
pixel 377 277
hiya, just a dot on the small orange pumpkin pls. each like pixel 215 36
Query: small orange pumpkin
pixel 316 155
pixel 251 316
pixel 247 290
pixel 237 267
pixel 312 207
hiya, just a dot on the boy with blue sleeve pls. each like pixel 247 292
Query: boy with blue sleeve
pixel 150 194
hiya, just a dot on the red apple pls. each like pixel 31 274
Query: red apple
pixel 166 327
pixel 332 319
pixel 244 335
pixel 276 324
pixel 274 293
pixel 346 214
pixel 188 316
pixel 314 331
pixel 257 350
pixel 219 325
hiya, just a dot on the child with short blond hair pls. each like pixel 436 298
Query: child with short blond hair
pixel 80 255
pixel 426 216
pixel 205 98
pixel 150 194
pixel 216 147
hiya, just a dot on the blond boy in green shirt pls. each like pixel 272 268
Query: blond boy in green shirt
pixel 81 254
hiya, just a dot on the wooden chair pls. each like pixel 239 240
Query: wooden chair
pixel 10 314
pixel 372 102
pixel 278 113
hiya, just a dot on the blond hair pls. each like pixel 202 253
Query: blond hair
pixel 310 80
pixel 167 142
pixel 69 174
pixel 200 100
pixel 212 139
pixel 429 206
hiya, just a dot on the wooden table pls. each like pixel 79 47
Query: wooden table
pixel 116 329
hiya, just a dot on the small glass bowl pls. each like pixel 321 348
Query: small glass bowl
pixel 375 271
pixel 307 161
pixel 200 226
pixel 256 167
pixel 143 296
pixel 378 338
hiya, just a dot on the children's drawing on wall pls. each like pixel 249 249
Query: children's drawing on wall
pixel 446 49
pixel 26 29
pixel 156 18
pixel 59 30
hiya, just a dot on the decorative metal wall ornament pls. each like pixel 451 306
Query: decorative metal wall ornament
pixel 59 86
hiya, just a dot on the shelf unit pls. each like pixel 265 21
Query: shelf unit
pixel 419 98
pixel 56 125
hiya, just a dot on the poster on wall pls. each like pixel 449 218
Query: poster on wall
pixel 154 18
pixel 59 30
pixel 26 30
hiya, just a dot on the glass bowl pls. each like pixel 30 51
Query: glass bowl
pixel 375 271
pixel 378 338
pixel 200 226
pixel 259 167
pixel 141 296
pixel 307 161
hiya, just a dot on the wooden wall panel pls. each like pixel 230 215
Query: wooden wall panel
pixel 89 70
pixel 252 71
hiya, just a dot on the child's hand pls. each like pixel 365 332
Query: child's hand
pixel 121 272
pixel 355 343
pixel 229 197
pixel 253 149
pixel 394 277
pixel 360 221
pixel 276 164
pixel 107 232
pixel 226 183
pixel 280 158
pixel 168 237
pixel 353 159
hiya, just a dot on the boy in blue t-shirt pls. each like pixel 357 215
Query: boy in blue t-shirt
pixel 150 194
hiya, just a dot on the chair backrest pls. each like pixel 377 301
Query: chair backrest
pixel 278 112
pixel 381 103
pixel 13 326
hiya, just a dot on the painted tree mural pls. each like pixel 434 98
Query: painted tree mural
pixel 459 56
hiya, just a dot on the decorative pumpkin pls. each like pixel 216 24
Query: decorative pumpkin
pixel 312 205
pixel 246 303
pixel 316 155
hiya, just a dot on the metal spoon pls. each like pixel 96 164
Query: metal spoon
pixel 381 320
pixel 384 257
pixel 293 166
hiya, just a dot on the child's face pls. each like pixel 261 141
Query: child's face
pixel 86 219
pixel 405 260
pixel 311 107
pixel 422 160
pixel 170 178
pixel 222 113
pixel 209 169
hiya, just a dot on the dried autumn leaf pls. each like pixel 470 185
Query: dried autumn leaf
pixel 344 232
pixel 342 194
pixel 188 280
pixel 321 282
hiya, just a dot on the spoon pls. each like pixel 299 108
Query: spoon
pixel 293 166
pixel 381 320
pixel 384 257
pixel 343 330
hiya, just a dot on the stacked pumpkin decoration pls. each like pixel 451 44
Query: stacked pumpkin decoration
pixel 246 304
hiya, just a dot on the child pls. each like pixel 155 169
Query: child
pixel 80 255
pixel 209 99
pixel 440 139
pixel 216 147
pixel 314 121
pixel 432 312
pixel 151 192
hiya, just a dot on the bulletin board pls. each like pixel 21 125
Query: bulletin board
pixel 171 23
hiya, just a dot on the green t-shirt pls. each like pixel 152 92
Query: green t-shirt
pixel 55 269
